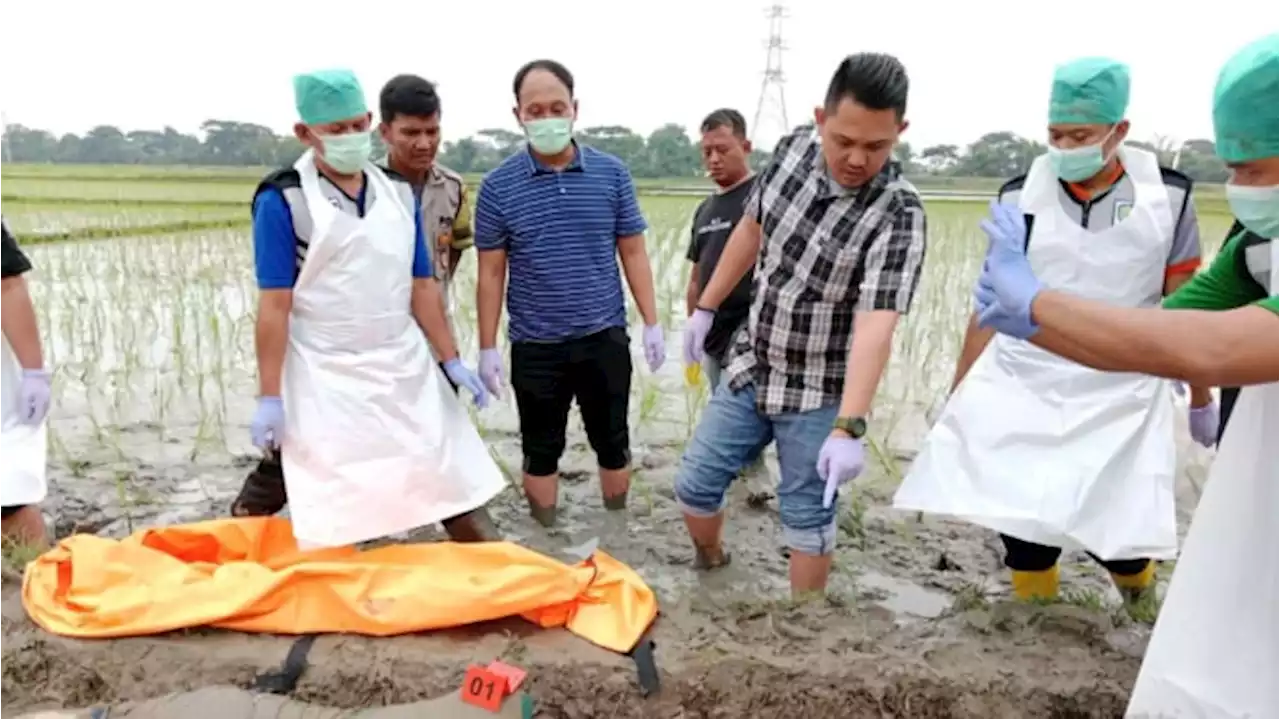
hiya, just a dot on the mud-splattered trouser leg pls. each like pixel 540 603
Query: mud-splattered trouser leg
pixel 807 526
pixel 731 435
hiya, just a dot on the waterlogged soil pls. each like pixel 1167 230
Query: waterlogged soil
pixel 917 623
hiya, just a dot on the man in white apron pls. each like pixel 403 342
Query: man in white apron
pixel 371 440
pixel 1049 453
pixel 25 402
pixel 410 110
pixel 1213 654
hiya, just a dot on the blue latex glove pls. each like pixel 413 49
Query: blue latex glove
pixel 464 377
pixel 1006 287
pixel 267 427
pixel 840 460
pixel 695 334
pixel 655 347
pixel 1204 424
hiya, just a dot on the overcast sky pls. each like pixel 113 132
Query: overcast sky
pixel 975 66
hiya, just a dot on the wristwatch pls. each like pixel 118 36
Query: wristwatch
pixel 855 427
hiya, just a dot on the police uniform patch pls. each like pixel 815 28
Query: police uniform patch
pixel 1123 210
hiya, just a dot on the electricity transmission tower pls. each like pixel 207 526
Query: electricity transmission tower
pixel 772 93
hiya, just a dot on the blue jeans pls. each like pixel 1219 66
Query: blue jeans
pixel 731 435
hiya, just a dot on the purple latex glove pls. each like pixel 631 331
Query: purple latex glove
pixel 491 371
pixel 1204 424
pixel 267 427
pixel 34 395
pixel 695 334
pixel 460 375
pixel 840 460
pixel 655 346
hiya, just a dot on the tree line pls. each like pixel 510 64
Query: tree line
pixel 667 152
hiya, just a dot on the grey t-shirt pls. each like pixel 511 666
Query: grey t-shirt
pixel 1110 207
pixel 713 222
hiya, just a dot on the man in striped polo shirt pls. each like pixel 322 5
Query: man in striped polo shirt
pixel 837 237
pixel 558 216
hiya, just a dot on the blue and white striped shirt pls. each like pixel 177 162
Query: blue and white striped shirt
pixel 560 230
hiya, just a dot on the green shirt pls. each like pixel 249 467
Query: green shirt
pixel 1230 282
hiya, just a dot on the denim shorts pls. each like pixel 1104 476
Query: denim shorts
pixel 731 435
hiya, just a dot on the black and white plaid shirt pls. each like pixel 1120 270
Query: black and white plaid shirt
pixel 826 253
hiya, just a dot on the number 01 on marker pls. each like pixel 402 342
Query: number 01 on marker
pixel 483 688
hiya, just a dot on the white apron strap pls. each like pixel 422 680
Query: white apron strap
pixel 323 215
pixel 1040 189
pixel 1143 168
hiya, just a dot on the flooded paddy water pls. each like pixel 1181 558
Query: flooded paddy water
pixel 151 338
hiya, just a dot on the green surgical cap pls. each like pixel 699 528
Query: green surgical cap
pixel 1089 91
pixel 328 96
pixel 1245 102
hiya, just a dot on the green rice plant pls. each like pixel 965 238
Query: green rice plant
pixel 146 300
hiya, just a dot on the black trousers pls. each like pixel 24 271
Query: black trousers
pixel 1023 556
pixel 446 378
pixel 1229 397
pixel 547 376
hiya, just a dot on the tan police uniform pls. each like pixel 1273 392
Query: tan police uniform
pixel 446 214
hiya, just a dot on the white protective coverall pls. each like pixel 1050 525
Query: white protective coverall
pixel 375 443
pixel 1214 653
pixel 23 447
pixel 1044 449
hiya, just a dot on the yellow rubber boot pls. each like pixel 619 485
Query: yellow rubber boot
pixel 1036 586
pixel 1135 586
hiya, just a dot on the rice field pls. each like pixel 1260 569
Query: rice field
pixel 144 289
pixel 146 303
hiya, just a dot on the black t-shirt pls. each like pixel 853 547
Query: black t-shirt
pixel 713 222
pixel 12 261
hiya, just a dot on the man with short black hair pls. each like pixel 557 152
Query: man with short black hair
pixel 725 153
pixel 410 112
pixel 561 216
pixel 837 237
pixel 23 432
pixel 410 128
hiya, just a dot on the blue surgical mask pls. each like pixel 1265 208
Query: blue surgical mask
pixel 550 135
pixel 347 153
pixel 1257 208
pixel 1079 163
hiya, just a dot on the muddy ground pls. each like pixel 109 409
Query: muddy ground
pixel 917 624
